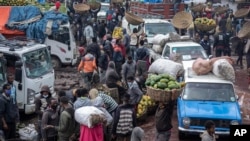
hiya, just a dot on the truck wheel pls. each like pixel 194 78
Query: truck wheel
pixel 56 63
pixel 181 135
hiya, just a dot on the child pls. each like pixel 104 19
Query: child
pixel 209 135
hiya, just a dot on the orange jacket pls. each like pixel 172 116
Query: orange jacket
pixel 88 63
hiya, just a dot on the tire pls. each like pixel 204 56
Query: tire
pixel 56 63
pixel 181 135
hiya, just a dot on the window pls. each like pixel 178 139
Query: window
pixel 190 52
pixel 166 51
pixel 62 35
pixel 152 29
pixel 209 92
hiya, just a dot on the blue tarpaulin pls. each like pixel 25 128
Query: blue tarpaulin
pixel 35 29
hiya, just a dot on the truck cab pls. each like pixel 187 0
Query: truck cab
pixel 207 97
pixel 63 46
pixel 31 64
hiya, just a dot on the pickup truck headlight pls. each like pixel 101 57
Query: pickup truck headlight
pixel 234 122
pixel 30 96
pixel 186 121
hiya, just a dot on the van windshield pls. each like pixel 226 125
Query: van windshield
pixel 152 29
pixel 190 52
pixel 37 63
pixel 209 92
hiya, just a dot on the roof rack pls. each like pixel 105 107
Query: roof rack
pixel 17 42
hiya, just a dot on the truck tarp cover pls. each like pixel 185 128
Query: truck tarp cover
pixel 26 20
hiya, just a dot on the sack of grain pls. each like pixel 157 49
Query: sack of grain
pixel 229 59
pixel 157 48
pixel 222 68
pixel 158 38
pixel 164 66
pixel 202 67
pixel 89 116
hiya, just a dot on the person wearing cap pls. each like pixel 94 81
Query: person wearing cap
pixel 41 104
pixel 124 120
pixel 110 104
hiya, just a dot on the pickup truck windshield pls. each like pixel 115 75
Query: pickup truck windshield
pixel 209 92
pixel 152 29
pixel 37 63
pixel 190 52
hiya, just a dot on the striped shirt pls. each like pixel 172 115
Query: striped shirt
pixel 125 123
pixel 110 103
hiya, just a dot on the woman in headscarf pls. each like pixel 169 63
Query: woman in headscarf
pixel 113 79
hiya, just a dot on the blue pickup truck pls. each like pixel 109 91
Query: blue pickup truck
pixel 207 97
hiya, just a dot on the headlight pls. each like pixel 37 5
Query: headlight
pixel 234 122
pixel 30 96
pixel 186 121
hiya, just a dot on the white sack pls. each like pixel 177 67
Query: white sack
pixel 164 66
pixel 83 115
pixel 28 133
pixel 222 68
pixel 157 39
pixel 157 48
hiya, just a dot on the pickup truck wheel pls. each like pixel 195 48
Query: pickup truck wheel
pixel 56 63
pixel 181 135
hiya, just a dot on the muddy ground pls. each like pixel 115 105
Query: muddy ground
pixel 67 78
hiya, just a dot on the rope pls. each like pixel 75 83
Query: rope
pixel 36 18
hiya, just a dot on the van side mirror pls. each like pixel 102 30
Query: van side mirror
pixel 18 74
pixel 18 64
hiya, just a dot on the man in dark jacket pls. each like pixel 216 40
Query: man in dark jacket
pixel 163 123
pixel 94 49
pixel 41 103
pixel 50 117
pixel 103 64
pixel 219 43
pixel 128 69
pixel 206 44
pixel 101 31
pixel 9 112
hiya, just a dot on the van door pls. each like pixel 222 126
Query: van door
pixel 60 44
pixel 19 86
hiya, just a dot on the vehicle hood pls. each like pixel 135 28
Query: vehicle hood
pixel 187 64
pixel 225 110
pixel 101 14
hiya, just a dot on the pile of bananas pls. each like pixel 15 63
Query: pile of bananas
pixel 205 21
pixel 145 102
pixel 13 2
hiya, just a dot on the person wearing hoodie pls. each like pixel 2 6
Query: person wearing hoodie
pixel 112 79
pixel 208 134
pixel 108 47
pixel 87 67
pixel 103 64
pixel 82 99
pixel 126 40
pixel 163 123
pixel 137 134
pixel 67 124
pixel 41 103
pixel 134 91
pixel 128 69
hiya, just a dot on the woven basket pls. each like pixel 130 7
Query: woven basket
pixel 80 8
pixel 94 5
pixel 117 1
pixel 182 20
pixel 133 19
pixel 176 93
pixel 159 95
pixel 198 8
pixel 220 9
pixel 244 31
pixel 241 13
pixel 203 27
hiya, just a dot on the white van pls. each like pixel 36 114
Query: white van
pixel 152 27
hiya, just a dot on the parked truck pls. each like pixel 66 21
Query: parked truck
pixel 61 41
pixel 30 62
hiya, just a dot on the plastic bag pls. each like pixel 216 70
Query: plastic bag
pixel 158 38
pixel 201 66
pixel 157 48
pixel 164 66
pixel 222 68
pixel 28 133
pixel 89 116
